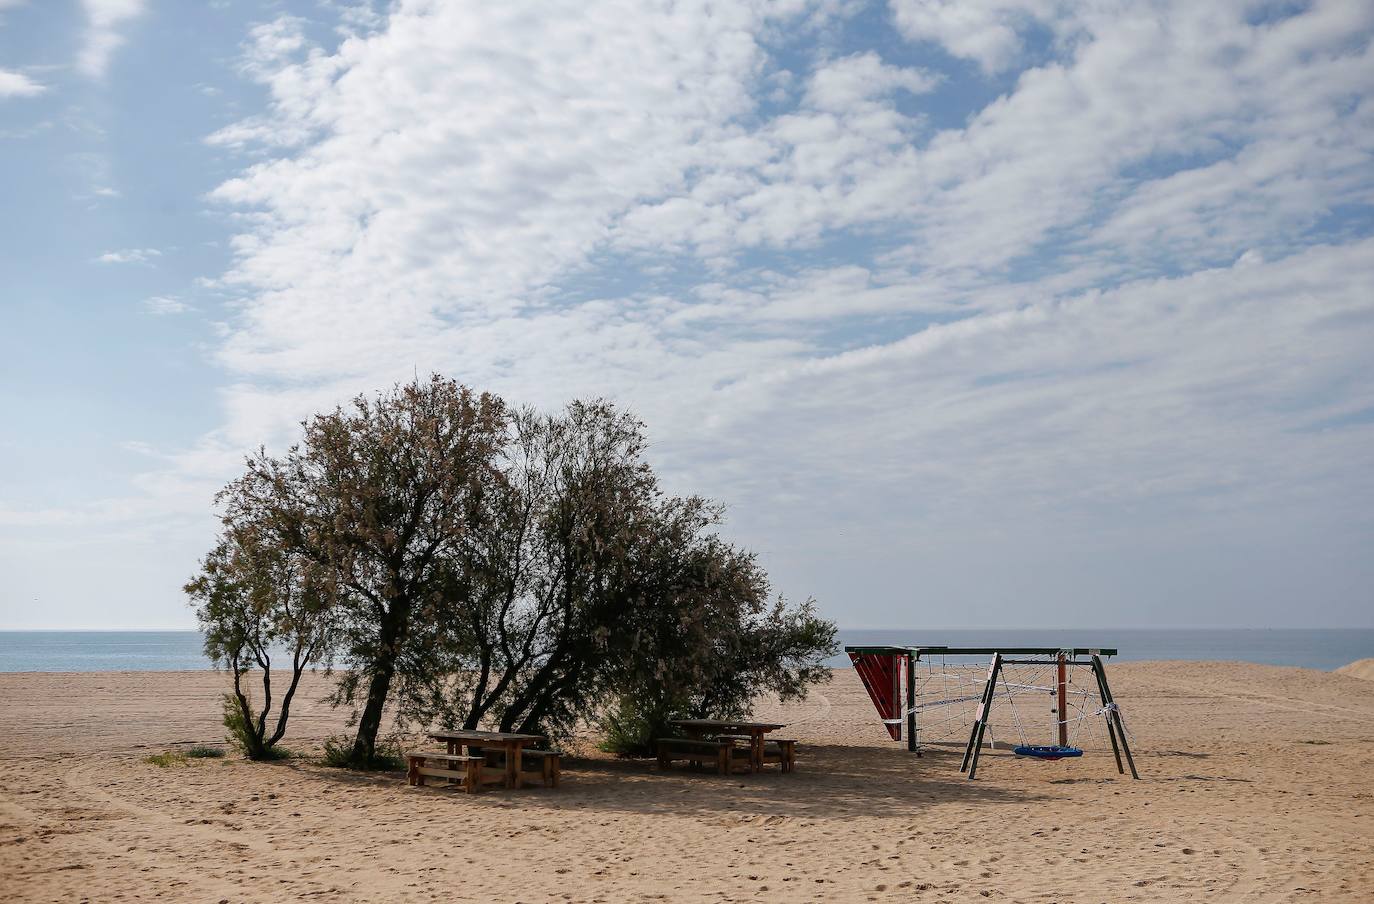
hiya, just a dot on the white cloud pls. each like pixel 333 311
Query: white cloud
pixel 128 256
pixel 17 84
pixel 985 31
pixel 455 177
pixel 162 305
pixel 1137 99
pixel 844 84
pixel 1105 308
pixel 105 21
pixel 441 207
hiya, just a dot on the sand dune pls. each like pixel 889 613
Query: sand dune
pixel 1360 668
pixel 1258 785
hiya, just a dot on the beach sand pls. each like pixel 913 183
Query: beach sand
pixel 1360 668
pixel 1257 785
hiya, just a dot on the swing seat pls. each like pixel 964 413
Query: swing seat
pixel 1047 751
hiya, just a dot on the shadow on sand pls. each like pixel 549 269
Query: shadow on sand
pixel 831 781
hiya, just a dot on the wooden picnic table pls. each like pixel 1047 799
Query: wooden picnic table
pixel 700 728
pixel 510 742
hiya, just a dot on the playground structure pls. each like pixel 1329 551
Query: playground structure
pixel 934 693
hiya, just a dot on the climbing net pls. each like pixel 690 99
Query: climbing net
pixel 1025 709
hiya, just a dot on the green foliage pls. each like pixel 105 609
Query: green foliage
pixel 716 673
pixel 205 753
pixel 386 757
pixel 630 728
pixel 595 596
pixel 255 597
pixel 374 502
pixel 338 752
pixel 241 735
pixel 183 757
pixel 245 737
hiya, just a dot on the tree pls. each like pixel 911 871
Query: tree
pixel 380 495
pixel 487 566
pixel 255 599
pixel 587 585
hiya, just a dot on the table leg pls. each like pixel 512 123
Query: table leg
pixel 756 751
pixel 513 765
pixel 696 734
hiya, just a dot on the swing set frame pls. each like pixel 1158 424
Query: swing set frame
pixel 1064 657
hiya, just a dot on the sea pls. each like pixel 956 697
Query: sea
pixel 118 651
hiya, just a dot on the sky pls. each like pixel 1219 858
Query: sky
pixel 973 312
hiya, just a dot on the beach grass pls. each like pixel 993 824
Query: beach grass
pixel 166 758
pixel 183 757
pixel 338 753
pixel 203 752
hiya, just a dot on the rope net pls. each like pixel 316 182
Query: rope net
pixel 1025 709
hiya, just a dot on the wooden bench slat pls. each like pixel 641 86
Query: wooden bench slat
pixel 546 764
pixel 441 755
pixel 699 750
pixel 700 743
pixel 775 750
pixel 436 772
pixel 468 772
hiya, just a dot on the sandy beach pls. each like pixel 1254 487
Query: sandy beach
pixel 1257 785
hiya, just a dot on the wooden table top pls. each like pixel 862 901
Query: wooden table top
pixel 496 737
pixel 727 725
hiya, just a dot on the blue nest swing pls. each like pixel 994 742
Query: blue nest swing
pixel 1047 751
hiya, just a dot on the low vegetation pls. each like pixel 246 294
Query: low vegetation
pixel 387 757
pixel 166 758
pixel 205 753
pixel 183 757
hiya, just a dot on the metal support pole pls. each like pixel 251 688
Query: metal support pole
pixel 1113 715
pixel 980 722
pixel 1116 748
pixel 913 739
pixel 1062 706
pixel 1111 728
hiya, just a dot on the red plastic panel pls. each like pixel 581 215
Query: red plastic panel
pixel 882 675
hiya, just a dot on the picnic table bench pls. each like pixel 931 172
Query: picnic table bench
pixel 782 751
pixel 550 764
pixel 470 771
pixel 512 746
pixel 752 731
pixel 723 752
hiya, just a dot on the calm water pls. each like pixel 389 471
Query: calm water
pixel 105 651
pixel 100 651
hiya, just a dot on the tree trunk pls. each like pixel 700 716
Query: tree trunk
pixel 478 708
pixel 529 696
pixel 297 669
pixel 253 746
pixel 383 668
pixel 365 744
